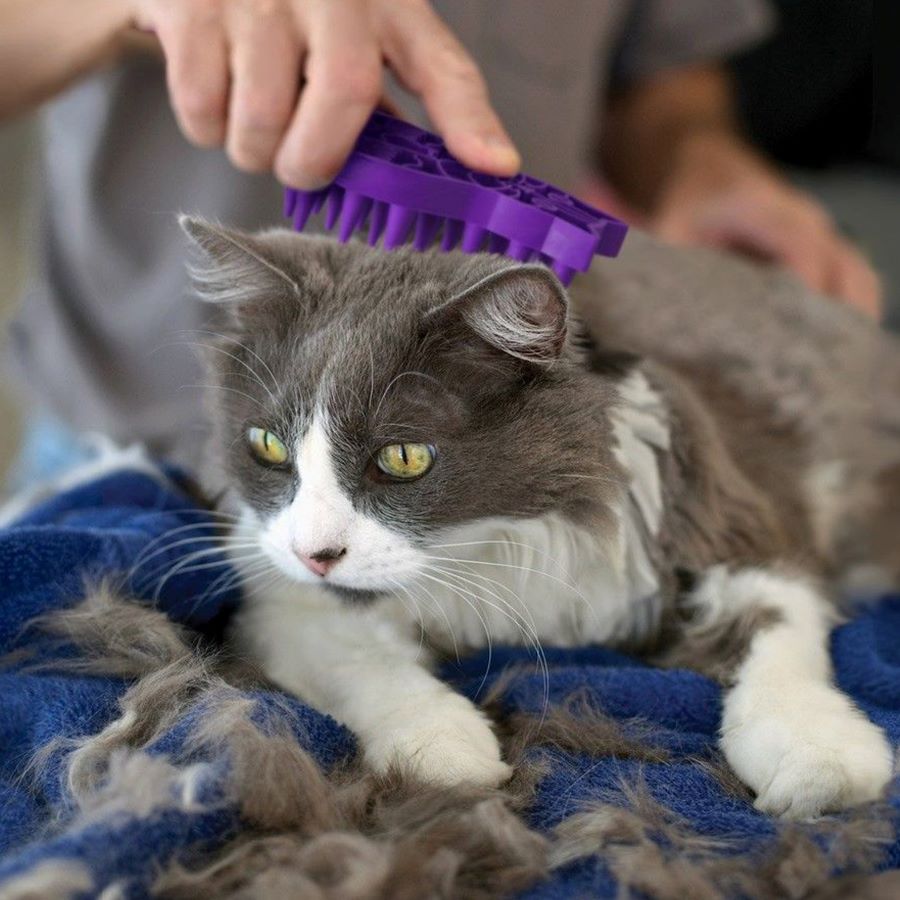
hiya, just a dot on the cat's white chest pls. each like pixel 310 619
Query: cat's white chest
pixel 534 581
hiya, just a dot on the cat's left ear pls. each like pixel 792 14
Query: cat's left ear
pixel 521 311
pixel 234 267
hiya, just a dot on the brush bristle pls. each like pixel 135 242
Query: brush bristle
pixel 349 213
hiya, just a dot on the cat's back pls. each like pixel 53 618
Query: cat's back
pixel 747 332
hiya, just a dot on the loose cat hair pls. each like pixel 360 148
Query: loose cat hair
pixel 428 455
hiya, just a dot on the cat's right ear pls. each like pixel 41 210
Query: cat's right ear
pixel 522 311
pixel 235 269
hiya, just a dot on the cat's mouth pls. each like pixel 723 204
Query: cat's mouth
pixel 355 596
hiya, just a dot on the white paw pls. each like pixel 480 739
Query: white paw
pixel 446 741
pixel 805 752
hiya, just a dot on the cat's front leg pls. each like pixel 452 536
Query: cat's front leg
pixel 364 667
pixel 787 731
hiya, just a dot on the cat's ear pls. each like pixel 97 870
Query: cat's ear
pixel 234 268
pixel 521 311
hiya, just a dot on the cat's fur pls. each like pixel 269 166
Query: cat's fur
pixel 685 485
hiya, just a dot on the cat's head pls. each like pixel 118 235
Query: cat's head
pixel 368 407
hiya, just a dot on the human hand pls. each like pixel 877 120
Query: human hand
pixel 721 193
pixel 287 85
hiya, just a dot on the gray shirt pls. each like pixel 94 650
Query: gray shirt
pixel 107 333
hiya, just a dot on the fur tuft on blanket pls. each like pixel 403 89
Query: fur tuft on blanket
pixel 137 759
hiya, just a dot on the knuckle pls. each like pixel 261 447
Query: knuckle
pixel 460 68
pixel 304 169
pixel 198 104
pixel 248 158
pixel 358 82
pixel 263 112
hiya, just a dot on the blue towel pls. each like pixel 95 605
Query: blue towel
pixel 108 525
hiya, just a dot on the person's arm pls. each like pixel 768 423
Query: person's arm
pixel 45 45
pixel 671 146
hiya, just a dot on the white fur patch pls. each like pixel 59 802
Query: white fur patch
pixel 825 489
pixel 787 731
pixel 641 431
pixel 527 581
pixel 365 667
pixel 321 516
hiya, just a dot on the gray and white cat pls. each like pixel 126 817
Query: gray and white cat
pixel 428 444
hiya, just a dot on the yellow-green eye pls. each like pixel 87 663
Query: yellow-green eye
pixel 267 447
pixel 405 461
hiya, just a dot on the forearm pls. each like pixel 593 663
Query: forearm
pixel 650 124
pixel 47 44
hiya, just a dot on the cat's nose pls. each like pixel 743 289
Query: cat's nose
pixel 322 561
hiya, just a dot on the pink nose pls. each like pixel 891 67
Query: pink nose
pixel 322 561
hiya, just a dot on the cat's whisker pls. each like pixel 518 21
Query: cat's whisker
pixel 228 580
pixel 253 374
pixel 215 564
pixel 415 612
pixel 524 569
pixel 567 582
pixel 224 387
pixel 237 576
pixel 143 556
pixel 218 545
pixel 601 478
pixel 465 596
pixel 194 566
pixel 189 560
pixel 395 379
pixel 193 525
pixel 527 627
pixel 371 376
pixel 241 345
pixel 437 605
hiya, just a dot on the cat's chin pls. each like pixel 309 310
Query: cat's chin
pixel 355 596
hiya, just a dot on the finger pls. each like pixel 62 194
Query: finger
pixel 855 281
pixel 779 233
pixel 430 62
pixel 197 74
pixel 265 65
pixel 805 253
pixel 343 85
pixel 676 225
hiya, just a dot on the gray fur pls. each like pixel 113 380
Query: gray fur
pixel 791 381
pixel 717 648
pixel 423 347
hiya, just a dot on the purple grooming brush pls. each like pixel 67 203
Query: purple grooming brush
pixel 400 180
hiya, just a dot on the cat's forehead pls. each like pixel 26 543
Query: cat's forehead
pixel 360 311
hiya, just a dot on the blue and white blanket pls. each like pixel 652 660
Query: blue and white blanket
pixel 108 525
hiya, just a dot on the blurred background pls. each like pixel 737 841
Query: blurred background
pixel 17 147
pixel 820 96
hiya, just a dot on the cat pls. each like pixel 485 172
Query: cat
pixel 430 452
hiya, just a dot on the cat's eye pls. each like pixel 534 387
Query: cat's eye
pixel 267 447
pixel 405 461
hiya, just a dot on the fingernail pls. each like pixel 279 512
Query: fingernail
pixel 301 181
pixel 503 152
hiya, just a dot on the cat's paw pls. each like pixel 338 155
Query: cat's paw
pixel 446 742
pixel 814 753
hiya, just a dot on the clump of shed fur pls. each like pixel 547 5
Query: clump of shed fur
pixel 347 834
